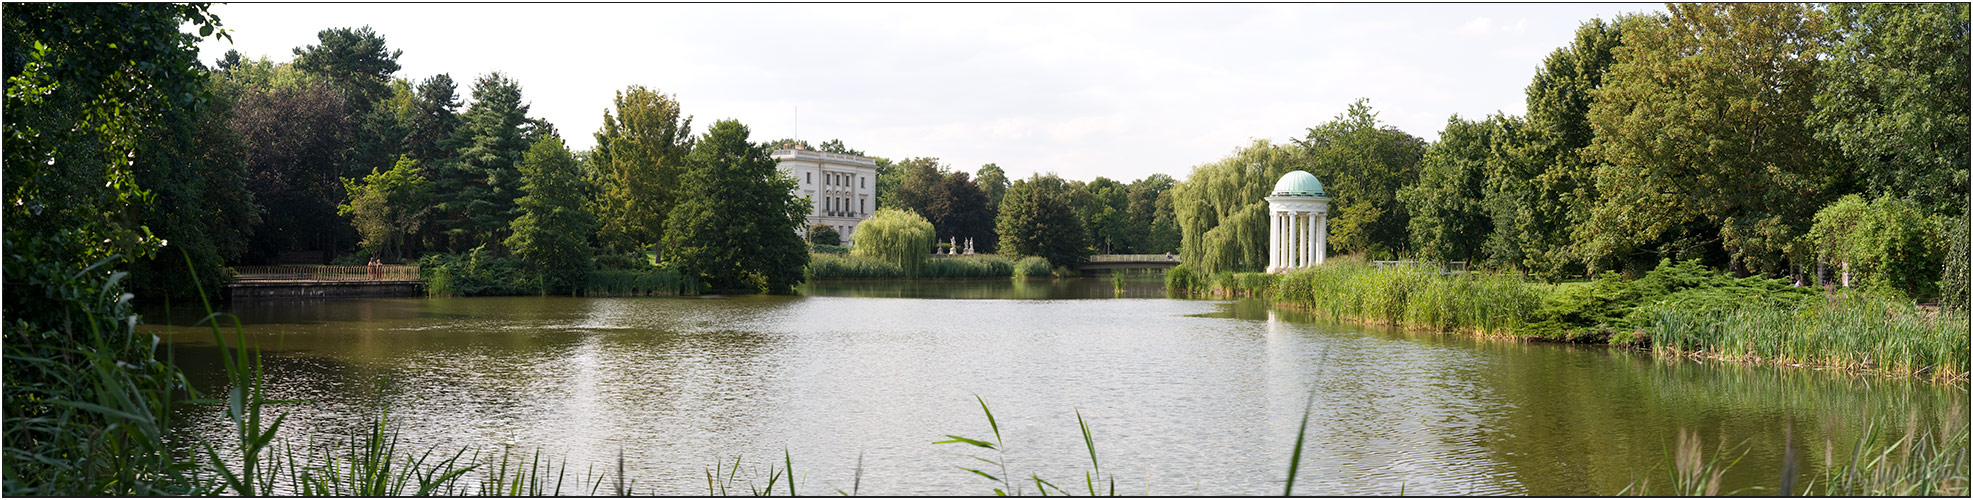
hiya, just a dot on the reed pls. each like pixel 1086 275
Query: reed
pixel 969 266
pixel 1919 461
pixel 1845 330
pixel 824 267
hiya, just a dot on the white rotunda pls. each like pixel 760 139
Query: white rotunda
pixel 1298 224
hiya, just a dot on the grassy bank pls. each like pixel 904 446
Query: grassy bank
pixel 1677 309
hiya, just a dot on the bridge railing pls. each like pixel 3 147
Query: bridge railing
pixel 1147 257
pixel 325 273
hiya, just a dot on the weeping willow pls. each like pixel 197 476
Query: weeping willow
pixel 896 236
pixel 1222 208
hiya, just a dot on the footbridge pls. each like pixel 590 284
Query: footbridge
pixel 1112 262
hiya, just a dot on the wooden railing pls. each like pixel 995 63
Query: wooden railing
pixel 325 273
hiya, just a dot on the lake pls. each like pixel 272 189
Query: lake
pixel 1182 397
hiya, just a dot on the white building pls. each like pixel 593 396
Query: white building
pixel 842 189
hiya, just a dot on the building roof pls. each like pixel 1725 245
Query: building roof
pixel 1299 183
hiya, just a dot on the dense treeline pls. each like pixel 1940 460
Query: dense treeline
pixel 1754 138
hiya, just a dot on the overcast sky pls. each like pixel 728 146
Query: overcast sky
pixel 1121 91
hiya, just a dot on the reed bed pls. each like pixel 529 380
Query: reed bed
pixel 836 267
pixel 1846 330
pixel 1884 462
pixel 1412 296
pixel 969 266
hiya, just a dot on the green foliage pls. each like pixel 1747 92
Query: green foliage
pixel 1449 220
pixel 1153 224
pixel 1037 217
pixel 296 130
pixel 734 225
pixel 969 266
pixel 828 249
pixel 1953 289
pixel 1540 189
pixel 1592 311
pixel 1889 243
pixel 1847 331
pixel 1181 282
pixel 86 401
pixel 476 192
pixel 639 156
pixel 551 236
pixel 194 166
pixel 1892 94
pixel 474 273
pixel 1364 164
pixel 1700 126
pixel 357 61
pixel 897 237
pixel 1032 267
pixel 839 267
pixel 822 234
pixel 387 206
pixel 1222 211
pixel 993 182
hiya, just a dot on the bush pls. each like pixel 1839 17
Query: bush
pixel 1032 267
pixel 902 238
pixel 1180 281
pixel 474 274
pixel 829 249
pixel 629 261
pixel 821 234
pixel 1889 243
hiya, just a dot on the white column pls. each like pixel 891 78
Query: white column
pixel 1273 241
pixel 1308 237
pixel 1322 238
pixel 1294 230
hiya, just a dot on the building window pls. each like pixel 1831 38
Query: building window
pixel 811 178
pixel 859 204
pixel 862 181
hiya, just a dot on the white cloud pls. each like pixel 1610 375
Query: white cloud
pixel 1121 91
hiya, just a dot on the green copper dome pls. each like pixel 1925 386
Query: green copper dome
pixel 1298 183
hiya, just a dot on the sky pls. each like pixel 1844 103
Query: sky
pixel 1084 90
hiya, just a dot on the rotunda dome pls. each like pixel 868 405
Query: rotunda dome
pixel 1299 183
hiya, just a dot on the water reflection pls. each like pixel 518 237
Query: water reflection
pixel 1184 397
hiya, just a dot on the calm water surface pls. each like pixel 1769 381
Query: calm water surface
pixel 1183 396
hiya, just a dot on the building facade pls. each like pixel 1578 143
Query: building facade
pixel 841 189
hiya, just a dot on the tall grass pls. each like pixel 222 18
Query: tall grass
pixel 1928 461
pixel 828 267
pixel 1093 480
pixel 970 266
pixel 1411 296
pixel 1845 330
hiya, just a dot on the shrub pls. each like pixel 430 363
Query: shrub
pixel 901 238
pixel 1032 267
pixel 829 249
pixel 1180 281
pixel 822 234
pixel 474 274
pixel 1889 243
pixel 647 281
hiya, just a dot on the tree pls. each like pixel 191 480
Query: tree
pixel 1892 94
pixel 477 190
pixel 86 399
pixel 916 185
pixel 1888 243
pixel 1037 217
pixel 959 210
pixel 736 218
pixel 434 118
pixel 1448 216
pixel 1221 208
pixel 899 237
pixel 551 236
pixel 386 206
pixel 640 151
pixel 1540 189
pixel 357 61
pixel 1366 164
pixel 1145 211
pixel 992 181
pixel 1105 212
pixel 1700 123
pixel 296 133
pixel 822 234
